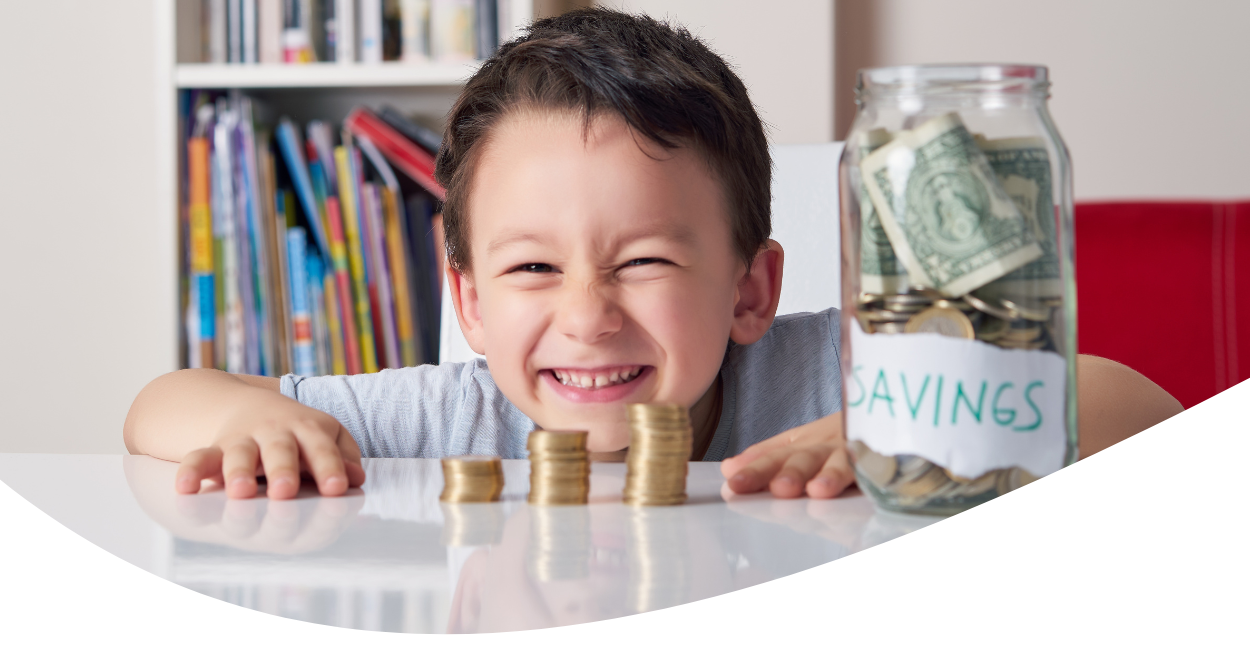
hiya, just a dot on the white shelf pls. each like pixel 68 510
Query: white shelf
pixel 321 75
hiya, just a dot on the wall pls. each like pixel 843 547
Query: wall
pixel 83 251
pixel 1152 96
pixel 782 50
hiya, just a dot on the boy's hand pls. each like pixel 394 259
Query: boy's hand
pixel 811 458
pixel 277 439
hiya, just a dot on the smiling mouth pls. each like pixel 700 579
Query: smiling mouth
pixel 596 378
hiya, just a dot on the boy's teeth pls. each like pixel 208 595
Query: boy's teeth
pixel 587 381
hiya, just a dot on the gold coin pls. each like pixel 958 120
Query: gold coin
pixel 943 321
pixel 989 308
pixel 879 469
pixel 1025 311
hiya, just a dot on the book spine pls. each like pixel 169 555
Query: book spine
pixel 301 317
pixel 269 31
pixel 258 202
pixel 414 30
pixel 247 26
pixel 342 278
pixel 218 48
pixel 381 269
pixel 452 36
pixel 284 203
pixel 338 357
pixel 355 254
pixel 281 363
pixel 345 31
pixel 370 31
pixel 398 259
pixel 225 222
pixel 201 250
pixel 330 23
pixel 317 308
pixel 244 240
pixel 293 154
pixel 487 27
pixel 234 25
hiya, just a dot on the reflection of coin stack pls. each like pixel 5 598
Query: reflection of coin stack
pixel 559 468
pixel 470 524
pixel 659 560
pixel 472 479
pixel 910 481
pixel 559 543
pixel 660 441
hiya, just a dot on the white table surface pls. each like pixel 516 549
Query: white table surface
pixel 390 557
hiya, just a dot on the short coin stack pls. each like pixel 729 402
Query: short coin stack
pixel 559 468
pixel 660 441
pixel 472 479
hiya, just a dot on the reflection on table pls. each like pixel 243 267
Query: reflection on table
pixel 391 557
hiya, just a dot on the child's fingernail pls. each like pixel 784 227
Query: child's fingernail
pixel 334 484
pixel 241 481
pixel 738 478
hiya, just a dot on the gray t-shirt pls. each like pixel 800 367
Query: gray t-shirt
pixel 788 378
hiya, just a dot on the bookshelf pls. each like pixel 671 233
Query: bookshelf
pixel 326 91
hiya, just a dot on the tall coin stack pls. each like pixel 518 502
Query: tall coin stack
pixel 660 442
pixel 472 479
pixel 559 468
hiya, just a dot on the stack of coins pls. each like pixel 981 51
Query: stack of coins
pixel 912 481
pixel 559 543
pixel 559 468
pixel 660 442
pixel 472 479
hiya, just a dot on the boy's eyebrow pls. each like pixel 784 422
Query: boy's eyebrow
pixel 679 234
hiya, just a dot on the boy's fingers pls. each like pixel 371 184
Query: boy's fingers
pixel 756 475
pixel 798 468
pixel 834 477
pixel 196 466
pixel 323 459
pixel 825 428
pixel 279 453
pixel 351 458
pixel 238 468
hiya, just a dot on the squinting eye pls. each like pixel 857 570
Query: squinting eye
pixel 644 261
pixel 534 268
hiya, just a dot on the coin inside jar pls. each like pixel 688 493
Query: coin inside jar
pixel 943 321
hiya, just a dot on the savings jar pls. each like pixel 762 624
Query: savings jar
pixel 959 323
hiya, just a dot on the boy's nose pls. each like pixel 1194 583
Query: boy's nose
pixel 586 315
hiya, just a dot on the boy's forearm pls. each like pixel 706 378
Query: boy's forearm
pixel 1115 402
pixel 185 410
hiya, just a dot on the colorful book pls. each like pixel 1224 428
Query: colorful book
pixel 301 314
pixel 225 223
pixel 410 159
pixel 338 358
pixel 381 271
pixel 293 155
pixel 317 306
pixel 343 292
pixel 276 245
pixel 356 260
pixel 410 352
pixel 201 253
pixel 396 255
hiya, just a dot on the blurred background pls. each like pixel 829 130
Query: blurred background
pixel 1151 97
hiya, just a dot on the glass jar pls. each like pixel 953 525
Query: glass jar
pixel 959 301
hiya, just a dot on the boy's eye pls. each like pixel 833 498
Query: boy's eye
pixel 534 268
pixel 644 261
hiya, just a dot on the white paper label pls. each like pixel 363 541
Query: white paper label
pixel 962 404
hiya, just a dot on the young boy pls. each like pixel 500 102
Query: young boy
pixel 607 222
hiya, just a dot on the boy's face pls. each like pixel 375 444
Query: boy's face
pixel 603 272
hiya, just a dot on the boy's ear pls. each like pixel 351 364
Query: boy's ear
pixel 468 311
pixel 758 292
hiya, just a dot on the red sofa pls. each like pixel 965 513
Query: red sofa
pixel 1164 287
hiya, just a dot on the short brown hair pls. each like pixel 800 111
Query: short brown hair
pixel 665 83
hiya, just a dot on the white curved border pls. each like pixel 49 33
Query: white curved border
pixel 1144 544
